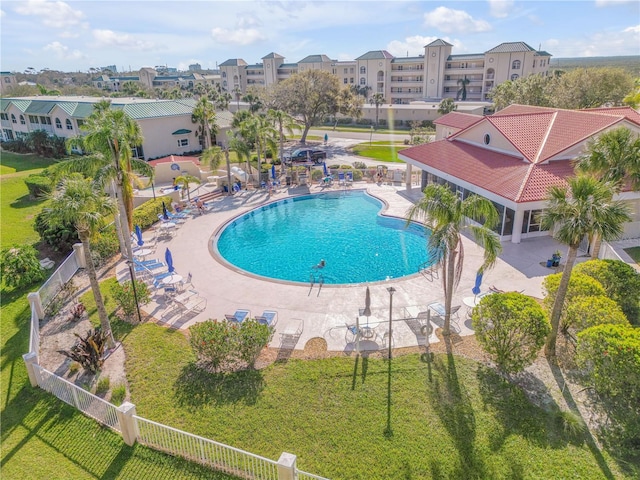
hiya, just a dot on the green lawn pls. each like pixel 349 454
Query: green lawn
pixel 634 252
pixel 381 151
pixel 459 420
pixel 41 436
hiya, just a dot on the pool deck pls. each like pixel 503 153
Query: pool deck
pixel 324 311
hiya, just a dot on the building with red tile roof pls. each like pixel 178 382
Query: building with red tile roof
pixel 513 156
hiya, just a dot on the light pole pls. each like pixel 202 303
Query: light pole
pixel 391 291
pixel 135 293
pixel 371 135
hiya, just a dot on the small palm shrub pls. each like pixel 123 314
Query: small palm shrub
pixel 88 351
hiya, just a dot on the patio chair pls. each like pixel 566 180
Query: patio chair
pixel 341 179
pixel 268 317
pixel 352 333
pixel 349 178
pixel 238 317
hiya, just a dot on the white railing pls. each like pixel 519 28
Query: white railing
pixel 87 403
pixel 60 277
pixel 300 475
pixel 34 334
pixel 207 452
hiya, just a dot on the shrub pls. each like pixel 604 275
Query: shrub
pixel 59 236
pixel 357 175
pixel 585 312
pixel 38 185
pixel 103 385
pixel 611 356
pixel 118 394
pixel 73 368
pixel 580 285
pixel 123 295
pixel 88 351
pixel 511 328
pixel 105 244
pixel 224 345
pixel 620 281
pixel 20 267
pixel 316 175
pixel 147 214
pixel 359 165
pixel 16 146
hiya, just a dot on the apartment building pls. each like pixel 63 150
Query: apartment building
pixel 150 78
pixel 166 125
pixel 429 77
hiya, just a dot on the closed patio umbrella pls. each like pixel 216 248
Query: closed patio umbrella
pixel 169 259
pixel 476 287
pixel 165 214
pixel 324 169
pixel 273 171
pixel 367 305
pixel 140 242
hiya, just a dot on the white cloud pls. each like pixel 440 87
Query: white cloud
pixel 237 36
pixel 500 8
pixel 448 20
pixel 414 45
pixel 62 51
pixel 109 38
pixel 52 14
pixel 623 42
pixel 2 14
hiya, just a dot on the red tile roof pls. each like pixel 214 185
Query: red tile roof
pixel 174 158
pixel 458 120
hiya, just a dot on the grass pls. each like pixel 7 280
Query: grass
pixel 634 253
pixel 381 151
pixel 42 437
pixel 457 419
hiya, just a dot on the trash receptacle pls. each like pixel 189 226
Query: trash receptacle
pixel 288 181
pixel 549 263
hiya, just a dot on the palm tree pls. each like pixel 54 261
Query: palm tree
pixel 377 99
pixel 584 208
pixel 446 214
pixel 237 93
pixel 462 93
pixel 111 136
pixel 614 156
pixel 80 202
pixel 185 180
pixel 254 101
pixel 212 157
pixel 204 114
pixel 285 123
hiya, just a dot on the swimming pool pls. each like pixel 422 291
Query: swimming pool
pixel 286 239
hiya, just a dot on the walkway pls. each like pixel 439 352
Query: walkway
pixel 325 311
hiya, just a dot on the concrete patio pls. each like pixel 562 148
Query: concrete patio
pixel 306 312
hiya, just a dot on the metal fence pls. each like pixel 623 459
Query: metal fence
pixel 60 277
pixel 207 452
pixel 87 403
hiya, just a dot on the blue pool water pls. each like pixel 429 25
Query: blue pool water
pixel 286 239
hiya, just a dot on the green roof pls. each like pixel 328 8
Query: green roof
pixel 315 59
pixel 375 55
pixel 37 107
pixel 155 109
pixel 182 131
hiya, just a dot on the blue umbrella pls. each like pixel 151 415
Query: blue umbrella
pixel 165 215
pixel 139 236
pixel 169 259
pixel 273 171
pixel 324 169
pixel 476 287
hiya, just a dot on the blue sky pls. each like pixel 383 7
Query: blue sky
pixel 75 36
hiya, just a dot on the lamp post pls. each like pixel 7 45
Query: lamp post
pixel 371 135
pixel 391 291
pixel 153 189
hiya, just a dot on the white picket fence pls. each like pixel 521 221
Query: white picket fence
pixel 207 452
pixel 134 428
pixel 87 403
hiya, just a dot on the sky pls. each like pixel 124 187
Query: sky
pixel 79 35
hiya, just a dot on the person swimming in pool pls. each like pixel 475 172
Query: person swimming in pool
pixel 320 265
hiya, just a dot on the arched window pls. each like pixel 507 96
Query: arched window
pixel 13 118
pixel 58 123
pixel 224 84
pixel 22 120
pixel 515 65
pixel 515 76
pixel 380 76
pixel 363 70
pixel 69 125
pixel 224 74
pixel 235 79
pixel 363 81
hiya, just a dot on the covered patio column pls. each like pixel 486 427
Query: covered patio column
pixel 408 177
pixel 516 234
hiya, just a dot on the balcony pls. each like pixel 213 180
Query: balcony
pixel 406 80
pixel 397 70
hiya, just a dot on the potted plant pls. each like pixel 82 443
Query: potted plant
pixel 556 258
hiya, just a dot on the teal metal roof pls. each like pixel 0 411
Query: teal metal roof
pixel 155 109
pixel 315 59
pixel 182 131
pixel 510 47
pixel 4 104
pixel 272 55
pixel 375 55
pixel 21 104
pixel 439 43
pixel 40 106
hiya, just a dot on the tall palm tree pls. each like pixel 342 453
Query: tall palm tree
pixel 462 93
pixel 584 208
pixel 80 202
pixel 614 156
pixel 111 136
pixel 254 101
pixel 284 123
pixel 446 214
pixel 212 157
pixel 377 99
pixel 237 93
pixel 204 114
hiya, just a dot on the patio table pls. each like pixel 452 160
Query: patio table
pixel 437 308
pixel 172 279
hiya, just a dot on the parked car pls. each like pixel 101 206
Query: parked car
pixel 302 155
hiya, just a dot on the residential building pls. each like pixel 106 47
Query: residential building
pixel 513 156
pixel 432 76
pixel 166 125
pixel 150 79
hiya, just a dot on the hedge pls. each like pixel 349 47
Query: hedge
pixel 38 185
